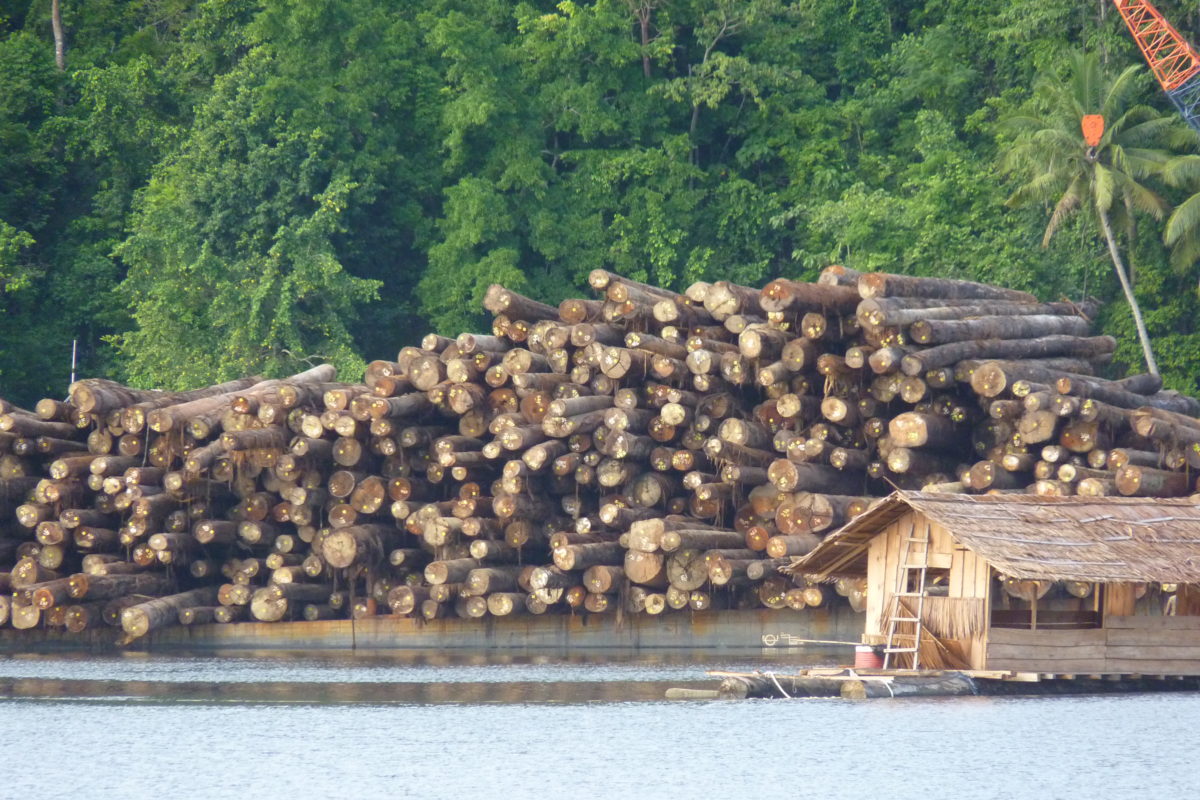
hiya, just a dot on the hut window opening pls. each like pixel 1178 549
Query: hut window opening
pixel 937 582
pixel 1051 605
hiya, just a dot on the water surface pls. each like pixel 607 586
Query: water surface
pixel 581 745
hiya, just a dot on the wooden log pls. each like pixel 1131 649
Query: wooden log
pixel 1082 436
pixel 990 475
pixel 796 544
pixel 141 619
pixel 107 587
pixel 1120 456
pixel 1037 427
pixel 1155 425
pixel 500 300
pixel 1097 487
pixel 1137 481
pixel 724 299
pixel 909 461
pixel 994 377
pixel 901 312
pixel 814 512
pixel 486 580
pixel 933 331
pixel 275 602
pixel 207 411
pixel 787 295
pixel 879 284
pixel 583 556
pixel 100 396
pixel 645 568
pixel 603 578
pixel 450 571
pixel 672 541
pixel 913 429
pixel 790 476
pixel 1116 394
pixel 921 361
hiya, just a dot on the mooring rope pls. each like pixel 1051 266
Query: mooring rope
pixel 778 686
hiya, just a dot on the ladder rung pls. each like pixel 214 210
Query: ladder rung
pixel 899 649
pixel 903 619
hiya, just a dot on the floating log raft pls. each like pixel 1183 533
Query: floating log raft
pixel 645 451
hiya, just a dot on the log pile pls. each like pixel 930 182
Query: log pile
pixel 640 452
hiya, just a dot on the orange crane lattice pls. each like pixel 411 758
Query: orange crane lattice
pixel 1172 59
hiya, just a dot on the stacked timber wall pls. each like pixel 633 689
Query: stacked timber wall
pixel 642 452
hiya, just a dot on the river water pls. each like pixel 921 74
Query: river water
pixel 241 725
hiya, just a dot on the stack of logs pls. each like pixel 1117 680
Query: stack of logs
pixel 641 452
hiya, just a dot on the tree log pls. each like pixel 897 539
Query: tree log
pixel 879 284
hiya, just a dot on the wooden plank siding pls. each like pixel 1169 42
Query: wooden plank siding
pixel 969 575
pixel 876 566
pixel 1119 599
pixel 1127 644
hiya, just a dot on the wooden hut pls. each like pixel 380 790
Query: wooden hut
pixel 1043 585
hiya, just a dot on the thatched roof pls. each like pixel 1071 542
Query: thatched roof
pixel 1100 539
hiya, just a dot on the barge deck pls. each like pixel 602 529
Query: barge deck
pixel 748 630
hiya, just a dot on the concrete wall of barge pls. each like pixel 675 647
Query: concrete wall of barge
pixel 716 631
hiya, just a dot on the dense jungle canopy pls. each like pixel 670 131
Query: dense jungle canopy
pixel 209 188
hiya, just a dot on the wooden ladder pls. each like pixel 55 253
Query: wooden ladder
pixel 913 564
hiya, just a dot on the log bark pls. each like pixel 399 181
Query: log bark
pixel 879 284
pixel 1045 347
pixel 279 601
pixel 999 327
pixel 1137 481
pixel 141 619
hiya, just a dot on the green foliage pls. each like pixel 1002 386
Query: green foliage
pixel 214 187
pixel 14 274
pixel 240 258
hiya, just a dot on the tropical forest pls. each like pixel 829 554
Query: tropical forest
pixel 197 190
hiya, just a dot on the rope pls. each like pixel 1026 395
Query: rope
pixel 775 681
pixel 886 683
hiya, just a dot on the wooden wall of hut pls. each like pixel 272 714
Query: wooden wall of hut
pixel 1145 645
pixel 960 581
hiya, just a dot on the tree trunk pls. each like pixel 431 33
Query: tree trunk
pixel 1127 287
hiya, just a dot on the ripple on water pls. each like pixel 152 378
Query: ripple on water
pixel 959 748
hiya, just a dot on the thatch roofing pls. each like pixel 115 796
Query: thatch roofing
pixel 1098 539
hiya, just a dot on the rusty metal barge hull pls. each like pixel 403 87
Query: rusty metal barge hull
pixel 753 630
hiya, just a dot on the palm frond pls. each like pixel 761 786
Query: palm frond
pixel 1085 80
pixel 1185 253
pixel 1141 198
pixel 1066 205
pixel 1119 126
pixel 1116 99
pixel 1040 189
pixel 1184 221
pixel 1182 139
pixel 1182 170
pixel 1146 131
pixel 1137 162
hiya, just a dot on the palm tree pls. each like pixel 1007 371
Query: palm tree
pixel 1058 167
